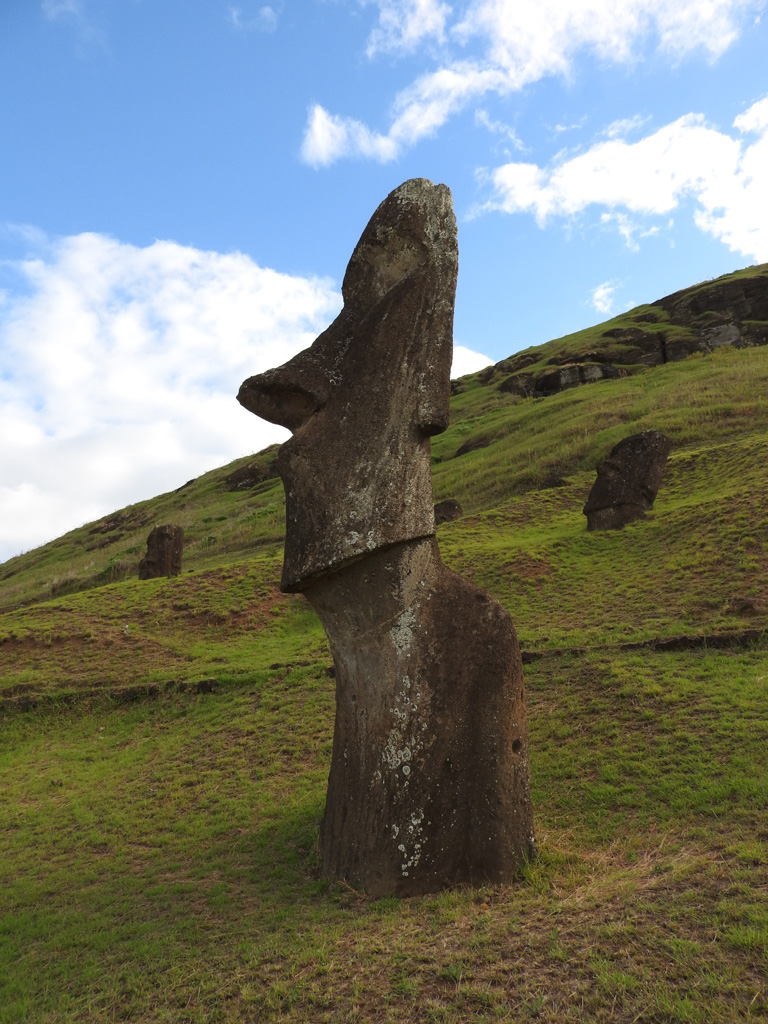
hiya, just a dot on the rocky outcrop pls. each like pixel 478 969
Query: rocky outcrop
pixel 165 547
pixel 737 298
pixel 245 478
pixel 571 376
pixel 429 779
pixel 628 481
pixel 729 311
pixel 550 382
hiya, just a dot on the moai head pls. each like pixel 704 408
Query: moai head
pixel 363 401
pixel 627 481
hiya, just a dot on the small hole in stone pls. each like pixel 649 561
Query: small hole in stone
pixel 517 746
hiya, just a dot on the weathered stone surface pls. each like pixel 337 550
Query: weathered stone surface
pixel 742 298
pixel 165 547
pixel 373 389
pixel 551 382
pixel 521 384
pixel 571 376
pixel 429 780
pixel 429 776
pixel 627 481
pixel 251 475
pixel 448 510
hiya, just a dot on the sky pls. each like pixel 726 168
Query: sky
pixel 182 183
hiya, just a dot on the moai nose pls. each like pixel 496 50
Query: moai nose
pixel 288 395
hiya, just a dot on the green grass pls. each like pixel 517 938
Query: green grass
pixel 164 745
pixel 174 874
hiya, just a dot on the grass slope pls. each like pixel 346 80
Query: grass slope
pixel 164 745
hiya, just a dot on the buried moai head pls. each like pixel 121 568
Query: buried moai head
pixel 364 399
pixel 628 481
pixel 165 547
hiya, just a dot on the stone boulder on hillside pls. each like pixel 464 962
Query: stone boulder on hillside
pixel 627 481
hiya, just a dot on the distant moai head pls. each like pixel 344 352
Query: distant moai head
pixel 165 548
pixel 364 399
pixel 627 481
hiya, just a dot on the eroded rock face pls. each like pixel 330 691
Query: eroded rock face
pixel 627 481
pixel 429 780
pixel 165 547
pixel 571 376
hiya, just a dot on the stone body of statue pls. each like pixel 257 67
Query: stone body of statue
pixel 429 780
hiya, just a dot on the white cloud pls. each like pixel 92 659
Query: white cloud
pixel 419 112
pixel 755 119
pixel 484 120
pixel 624 126
pixel 724 174
pixel 629 228
pixel 517 43
pixel 263 19
pixel 55 9
pixel 602 297
pixel 533 38
pixel 119 368
pixel 465 360
pixel 405 24
pixel 559 129
pixel 327 138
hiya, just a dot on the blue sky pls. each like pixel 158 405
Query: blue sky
pixel 183 181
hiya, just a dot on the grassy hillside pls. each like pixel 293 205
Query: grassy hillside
pixel 164 745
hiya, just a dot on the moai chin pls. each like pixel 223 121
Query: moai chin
pixel 429 781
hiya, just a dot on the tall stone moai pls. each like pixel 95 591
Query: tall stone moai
pixel 429 780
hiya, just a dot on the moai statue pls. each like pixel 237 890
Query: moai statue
pixel 448 510
pixel 628 481
pixel 429 780
pixel 165 546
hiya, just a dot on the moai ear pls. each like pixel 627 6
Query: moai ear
pixel 434 406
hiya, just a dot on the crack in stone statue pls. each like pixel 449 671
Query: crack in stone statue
pixel 429 780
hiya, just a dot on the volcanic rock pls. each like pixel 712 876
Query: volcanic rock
pixel 628 481
pixel 249 476
pixel 448 510
pixel 429 780
pixel 571 376
pixel 165 546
